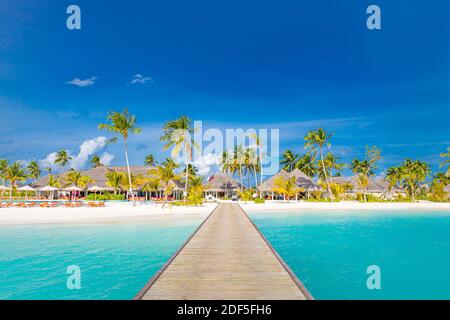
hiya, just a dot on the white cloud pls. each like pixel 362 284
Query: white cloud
pixel 140 79
pixel 204 163
pixel 49 162
pixel 80 160
pixel 83 83
pixel 106 158
pixel 87 149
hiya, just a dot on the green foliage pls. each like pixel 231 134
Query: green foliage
pixel 245 195
pixel 259 200
pixel 105 196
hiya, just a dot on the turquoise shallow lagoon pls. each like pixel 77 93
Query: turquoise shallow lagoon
pixel 116 260
pixel 330 251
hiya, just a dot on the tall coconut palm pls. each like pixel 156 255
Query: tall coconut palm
pixel 251 164
pixel 164 175
pixel 289 159
pixel 76 178
pixel 178 135
pixel 363 171
pixel 62 158
pixel 317 140
pixel 115 179
pixel 332 163
pixel 238 162
pixel 149 160
pixel 14 173
pixel 3 167
pixel 226 162
pixel 170 163
pixel 34 170
pixel 53 181
pixel 259 148
pixel 124 124
pixel 96 162
pixel 410 174
pixel 307 164
pixel 446 162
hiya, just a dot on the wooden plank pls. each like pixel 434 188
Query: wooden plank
pixel 226 258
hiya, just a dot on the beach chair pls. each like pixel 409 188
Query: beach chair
pixel 91 204
pixel 100 204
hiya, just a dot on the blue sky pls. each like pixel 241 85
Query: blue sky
pixel 293 65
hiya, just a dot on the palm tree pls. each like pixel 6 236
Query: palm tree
pixel 259 147
pixel 164 176
pixel 115 179
pixel 53 181
pixel 307 164
pixel 74 177
pixel 226 162
pixel 196 190
pixel 122 123
pixel 3 167
pixel 363 171
pixel 96 162
pixel 251 164
pixel 410 173
pixel 331 163
pixel 238 161
pixel 169 162
pixel 286 187
pixel 33 169
pixel 62 158
pixel 394 177
pixel 178 135
pixel 149 160
pixel 446 155
pixel 14 173
pixel 317 139
pixel 289 159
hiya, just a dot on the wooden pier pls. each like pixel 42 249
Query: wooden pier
pixel 226 258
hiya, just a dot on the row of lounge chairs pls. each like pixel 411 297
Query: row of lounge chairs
pixel 51 204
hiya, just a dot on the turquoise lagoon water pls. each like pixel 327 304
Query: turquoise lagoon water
pixel 116 260
pixel 330 252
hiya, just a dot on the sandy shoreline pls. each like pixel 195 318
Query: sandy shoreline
pixel 109 214
pixel 145 213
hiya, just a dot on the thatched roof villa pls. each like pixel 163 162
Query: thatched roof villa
pixel 221 184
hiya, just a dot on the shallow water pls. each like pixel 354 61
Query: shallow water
pixel 330 251
pixel 116 260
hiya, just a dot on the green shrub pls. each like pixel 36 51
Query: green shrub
pixel 105 196
pixel 259 200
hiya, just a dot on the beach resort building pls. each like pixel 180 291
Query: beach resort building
pixel 376 186
pixel 303 181
pixel 221 185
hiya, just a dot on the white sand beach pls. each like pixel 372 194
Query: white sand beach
pixel 144 213
pixel 109 214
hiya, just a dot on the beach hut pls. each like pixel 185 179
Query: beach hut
pixel 222 185
pixel 74 191
pixel 26 189
pixel 267 186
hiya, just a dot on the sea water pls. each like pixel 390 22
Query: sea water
pixel 115 260
pixel 331 251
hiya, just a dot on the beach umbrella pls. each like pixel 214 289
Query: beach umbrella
pixel 73 189
pixel 95 189
pixel 26 189
pixel 49 189
pixel 4 188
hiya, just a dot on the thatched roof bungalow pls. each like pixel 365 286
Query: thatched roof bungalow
pixel 221 182
pixel 98 175
pixel 447 188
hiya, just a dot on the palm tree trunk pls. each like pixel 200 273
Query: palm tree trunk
pixel 240 177
pixel 325 174
pixel 256 177
pixel 129 171
pixel 186 183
